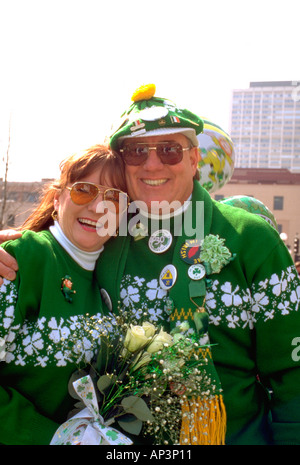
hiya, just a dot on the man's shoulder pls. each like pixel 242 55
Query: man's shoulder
pixel 241 218
pixel 30 242
pixel 245 233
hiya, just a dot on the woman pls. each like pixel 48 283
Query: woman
pixel 54 288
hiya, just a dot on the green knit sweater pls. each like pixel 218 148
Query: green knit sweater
pixel 254 319
pixel 37 320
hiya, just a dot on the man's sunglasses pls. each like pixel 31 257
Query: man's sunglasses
pixel 83 193
pixel 169 153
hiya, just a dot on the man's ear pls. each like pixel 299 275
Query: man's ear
pixel 195 158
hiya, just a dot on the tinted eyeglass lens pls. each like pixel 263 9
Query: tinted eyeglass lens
pixel 136 154
pixel 111 196
pixel 170 154
pixel 82 193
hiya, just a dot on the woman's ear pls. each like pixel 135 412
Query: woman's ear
pixel 56 201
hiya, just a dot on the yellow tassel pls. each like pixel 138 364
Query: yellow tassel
pixel 203 421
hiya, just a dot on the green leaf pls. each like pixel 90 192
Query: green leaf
pixel 137 407
pixel 132 427
pixel 103 356
pixel 104 383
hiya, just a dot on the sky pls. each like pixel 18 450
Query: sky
pixel 68 68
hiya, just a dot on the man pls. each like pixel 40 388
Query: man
pixel 222 262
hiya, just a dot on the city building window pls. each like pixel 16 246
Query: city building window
pixel 278 202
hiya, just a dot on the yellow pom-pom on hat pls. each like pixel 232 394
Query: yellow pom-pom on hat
pixel 145 92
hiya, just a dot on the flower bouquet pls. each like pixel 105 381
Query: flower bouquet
pixel 144 381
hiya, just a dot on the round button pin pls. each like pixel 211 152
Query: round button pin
pixel 196 272
pixel 190 251
pixel 160 241
pixel 153 113
pixel 106 299
pixel 168 277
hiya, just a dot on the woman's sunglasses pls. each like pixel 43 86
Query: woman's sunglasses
pixel 169 153
pixel 83 193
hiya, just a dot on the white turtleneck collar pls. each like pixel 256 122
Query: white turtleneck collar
pixel 86 260
pixel 177 212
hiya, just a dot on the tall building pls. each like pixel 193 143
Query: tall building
pixel 265 125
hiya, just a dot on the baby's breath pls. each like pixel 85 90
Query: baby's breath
pixel 123 368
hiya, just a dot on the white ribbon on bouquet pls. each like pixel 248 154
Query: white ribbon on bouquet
pixel 88 427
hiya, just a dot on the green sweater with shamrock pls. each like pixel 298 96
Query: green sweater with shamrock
pixel 253 307
pixel 38 315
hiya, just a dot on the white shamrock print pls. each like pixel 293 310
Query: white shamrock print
pixel 130 295
pixel 260 300
pixel 215 320
pixel 232 321
pixel 279 285
pixel 155 291
pixel 284 307
pixel 139 281
pixel 59 331
pixel 229 297
pixel 248 319
pixel 295 297
pixel 42 361
pixel 210 301
pixel 33 343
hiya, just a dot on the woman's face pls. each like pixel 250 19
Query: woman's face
pixel 83 226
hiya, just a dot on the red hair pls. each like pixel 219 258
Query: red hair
pixel 75 168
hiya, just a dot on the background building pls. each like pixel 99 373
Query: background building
pixel 278 189
pixel 17 200
pixel 265 125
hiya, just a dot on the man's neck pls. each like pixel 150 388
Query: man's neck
pixel 162 210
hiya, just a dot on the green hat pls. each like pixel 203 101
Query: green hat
pixel 149 116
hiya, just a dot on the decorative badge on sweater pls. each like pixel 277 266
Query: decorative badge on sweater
pixel 168 277
pixel 190 251
pixel 214 255
pixel 205 257
pixel 196 272
pixel 210 252
pixel 66 288
pixel 160 241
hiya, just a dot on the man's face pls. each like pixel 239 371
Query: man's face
pixel 155 181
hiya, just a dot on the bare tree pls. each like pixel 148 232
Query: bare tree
pixel 4 192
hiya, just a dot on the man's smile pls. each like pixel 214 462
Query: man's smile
pixel 154 182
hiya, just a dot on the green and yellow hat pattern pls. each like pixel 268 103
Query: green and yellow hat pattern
pixel 149 115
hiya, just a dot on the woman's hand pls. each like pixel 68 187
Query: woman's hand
pixel 8 265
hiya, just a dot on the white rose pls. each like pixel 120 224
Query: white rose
pixel 159 341
pixel 149 329
pixel 135 338
pixel 184 326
